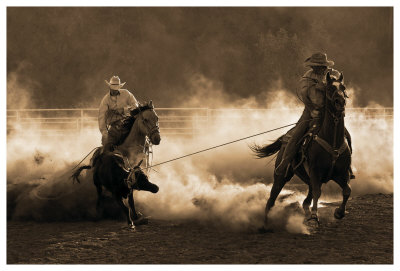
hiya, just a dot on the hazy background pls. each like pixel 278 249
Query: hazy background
pixel 185 57
pixel 60 57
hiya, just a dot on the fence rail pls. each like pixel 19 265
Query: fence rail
pixel 173 121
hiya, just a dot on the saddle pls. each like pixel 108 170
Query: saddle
pixel 120 129
pixel 304 141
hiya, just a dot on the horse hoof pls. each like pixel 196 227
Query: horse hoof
pixel 313 221
pixel 132 227
pixel 338 213
pixel 141 221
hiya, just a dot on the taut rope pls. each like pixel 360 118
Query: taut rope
pixel 214 147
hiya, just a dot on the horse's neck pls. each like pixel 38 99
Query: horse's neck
pixel 133 144
pixel 327 131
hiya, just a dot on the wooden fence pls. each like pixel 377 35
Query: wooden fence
pixel 173 121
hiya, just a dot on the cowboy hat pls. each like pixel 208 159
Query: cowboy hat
pixel 115 83
pixel 318 59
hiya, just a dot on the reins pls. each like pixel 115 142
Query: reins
pixel 331 149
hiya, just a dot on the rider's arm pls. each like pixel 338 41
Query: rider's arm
pixel 305 88
pixel 132 103
pixel 102 116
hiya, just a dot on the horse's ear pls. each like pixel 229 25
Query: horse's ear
pixel 328 78
pixel 151 103
pixel 341 77
pixel 138 165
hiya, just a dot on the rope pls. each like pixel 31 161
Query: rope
pixel 214 147
pixel 35 192
pixel 84 158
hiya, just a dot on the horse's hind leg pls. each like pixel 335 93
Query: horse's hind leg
pixel 346 191
pixel 99 203
pixel 279 183
pixel 302 174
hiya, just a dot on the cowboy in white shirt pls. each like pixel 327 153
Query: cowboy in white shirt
pixel 114 108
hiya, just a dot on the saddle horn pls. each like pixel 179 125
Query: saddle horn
pixel 328 78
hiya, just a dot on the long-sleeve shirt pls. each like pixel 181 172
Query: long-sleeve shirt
pixel 313 97
pixel 109 104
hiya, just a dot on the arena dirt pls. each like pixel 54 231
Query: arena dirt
pixel 364 236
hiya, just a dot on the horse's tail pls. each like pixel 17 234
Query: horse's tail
pixel 267 150
pixel 75 176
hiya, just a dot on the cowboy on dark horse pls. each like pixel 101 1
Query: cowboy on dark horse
pixel 312 94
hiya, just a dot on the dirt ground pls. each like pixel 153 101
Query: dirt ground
pixel 364 236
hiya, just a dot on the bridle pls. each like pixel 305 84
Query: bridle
pixel 151 130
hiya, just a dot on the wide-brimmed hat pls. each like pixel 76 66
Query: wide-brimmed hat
pixel 318 59
pixel 115 83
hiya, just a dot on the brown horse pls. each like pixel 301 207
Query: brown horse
pixel 327 157
pixel 113 171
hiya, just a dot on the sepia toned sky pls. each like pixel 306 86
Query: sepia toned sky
pixel 60 57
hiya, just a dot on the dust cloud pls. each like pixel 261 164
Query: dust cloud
pixel 225 186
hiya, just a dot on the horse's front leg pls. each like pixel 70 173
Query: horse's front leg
pixel 346 191
pixel 307 202
pixel 136 218
pixel 123 202
pixel 316 193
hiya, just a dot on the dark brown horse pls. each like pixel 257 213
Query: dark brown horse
pixel 327 157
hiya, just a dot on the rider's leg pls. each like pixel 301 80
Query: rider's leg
pixel 113 137
pixel 292 145
pixel 348 138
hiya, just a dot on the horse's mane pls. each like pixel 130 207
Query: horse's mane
pixel 140 108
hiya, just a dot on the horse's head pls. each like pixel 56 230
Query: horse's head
pixel 141 181
pixel 148 123
pixel 335 94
